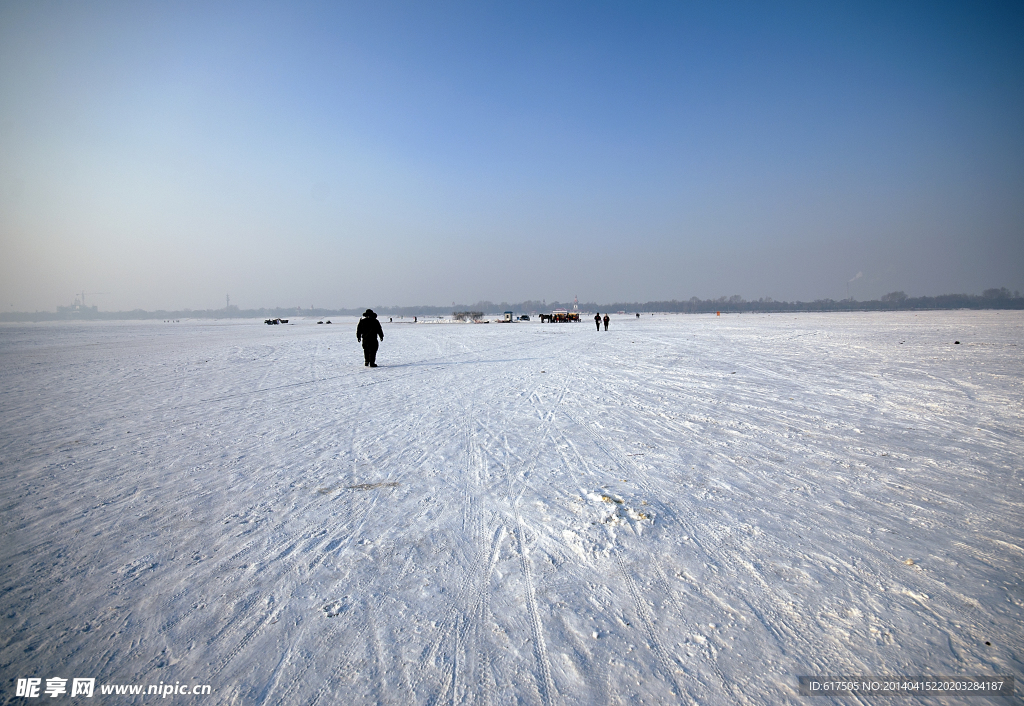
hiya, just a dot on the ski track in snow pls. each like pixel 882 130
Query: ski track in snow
pixel 683 509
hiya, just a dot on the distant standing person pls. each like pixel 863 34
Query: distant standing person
pixel 597 320
pixel 606 320
pixel 366 333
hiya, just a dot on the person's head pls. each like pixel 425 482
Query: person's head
pixel 369 314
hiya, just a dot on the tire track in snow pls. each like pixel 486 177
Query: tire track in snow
pixel 317 539
pixel 477 605
pixel 474 611
pixel 725 554
pixel 487 686
pixel 473 597
pixel 650 561
pixel 726 684
pixel 347 658
pixel 462 616
pixel 451 630
pixel 344 537
pixel 320 537
pixel 644 614
pixel 265 618
pixel 545 683
pixel 470 640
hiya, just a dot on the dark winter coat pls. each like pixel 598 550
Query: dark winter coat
pixel 368 330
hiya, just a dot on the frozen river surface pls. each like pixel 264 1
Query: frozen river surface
pixel 683 509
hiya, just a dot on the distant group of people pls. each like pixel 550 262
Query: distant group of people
pixel 369 330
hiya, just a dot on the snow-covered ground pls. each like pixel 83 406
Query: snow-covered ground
pixel 691 509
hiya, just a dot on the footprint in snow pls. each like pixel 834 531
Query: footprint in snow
pixel 336 608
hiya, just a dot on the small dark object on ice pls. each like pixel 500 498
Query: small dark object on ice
pixel 956 343
pixel 372 486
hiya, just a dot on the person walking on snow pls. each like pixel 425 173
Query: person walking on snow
pixel 597 320
pixel 606 320
pixel 366 333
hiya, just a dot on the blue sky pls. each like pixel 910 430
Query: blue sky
pixel 163 155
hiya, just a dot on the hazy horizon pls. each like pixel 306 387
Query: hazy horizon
pixel 162 156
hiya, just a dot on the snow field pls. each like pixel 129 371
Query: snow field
pixel 689 509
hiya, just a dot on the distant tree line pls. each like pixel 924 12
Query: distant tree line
pixel 894 301
pixel 1001 298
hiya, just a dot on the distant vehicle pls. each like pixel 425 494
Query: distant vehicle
pixel 524 317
